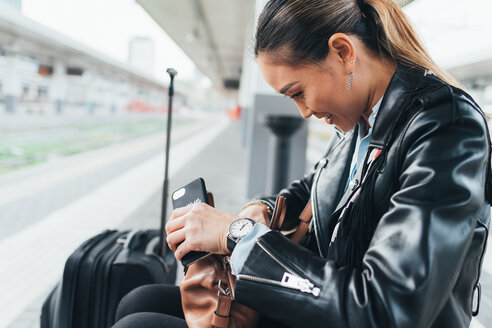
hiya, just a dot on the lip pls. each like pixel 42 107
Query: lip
pixel 329 118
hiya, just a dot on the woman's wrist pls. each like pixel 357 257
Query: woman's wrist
pixel 256 211
pixel 259 203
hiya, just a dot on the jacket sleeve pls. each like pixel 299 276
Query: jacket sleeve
pixel 297 194
pixel 416 252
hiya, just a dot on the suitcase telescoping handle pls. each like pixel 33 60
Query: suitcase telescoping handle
pixel 172 73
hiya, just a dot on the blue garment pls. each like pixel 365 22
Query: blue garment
pixel 246 244
pixel 244 247
pixel 362 142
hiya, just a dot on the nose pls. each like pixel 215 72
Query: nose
pixel 306 112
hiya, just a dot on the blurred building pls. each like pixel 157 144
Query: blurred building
pixel 43 71
pixel 17 4
pixel 141 54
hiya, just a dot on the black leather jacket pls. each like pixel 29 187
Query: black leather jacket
pixel 425 256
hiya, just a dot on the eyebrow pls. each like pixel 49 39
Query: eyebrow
pixel 287 87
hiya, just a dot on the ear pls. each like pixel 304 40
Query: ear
pixel 341 45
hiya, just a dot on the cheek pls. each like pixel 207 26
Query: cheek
pixel 319 98
pixel 328 95
pixel 327 100
pixel 323 103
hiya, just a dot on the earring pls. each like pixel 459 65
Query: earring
pixel 351 79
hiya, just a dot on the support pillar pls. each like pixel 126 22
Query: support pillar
pixel 12 83
pixel 58 87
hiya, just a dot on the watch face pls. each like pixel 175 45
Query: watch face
pixel 240 228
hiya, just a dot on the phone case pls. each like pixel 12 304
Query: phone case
pixel 194 192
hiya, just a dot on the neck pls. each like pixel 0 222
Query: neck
pixel 380 72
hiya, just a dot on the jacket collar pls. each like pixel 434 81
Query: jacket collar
pixel 403 83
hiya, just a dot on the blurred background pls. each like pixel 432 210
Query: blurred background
pixel 83 107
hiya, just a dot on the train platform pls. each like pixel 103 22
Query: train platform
pixel 48 210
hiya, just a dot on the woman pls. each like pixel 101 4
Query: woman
pixel 399 209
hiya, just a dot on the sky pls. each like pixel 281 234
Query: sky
pixel 107 26
pixel 452 30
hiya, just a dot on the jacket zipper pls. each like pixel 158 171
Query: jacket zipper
pixel 315 184
pixel 316 233
pixel 280 262
pixel 477 283
pixel 290 279
pixel 257 279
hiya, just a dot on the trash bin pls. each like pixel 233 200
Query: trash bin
pixel 281 128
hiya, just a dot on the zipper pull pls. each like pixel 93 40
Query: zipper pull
pixel 304 285
pixel 323 163
pixel 353 184
pixel 122 240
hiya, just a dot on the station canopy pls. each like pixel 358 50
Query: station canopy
pixel 213 33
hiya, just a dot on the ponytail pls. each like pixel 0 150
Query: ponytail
pixel 398 40
pixel 298 32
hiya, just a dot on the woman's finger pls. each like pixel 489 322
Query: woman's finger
pixel 181 251
pixel 175 224
pixel 176 238
pixel 180 211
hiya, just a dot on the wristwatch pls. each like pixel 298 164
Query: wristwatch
pixel 237 230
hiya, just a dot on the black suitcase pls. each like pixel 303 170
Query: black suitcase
pixel 108 266
pixel 100 272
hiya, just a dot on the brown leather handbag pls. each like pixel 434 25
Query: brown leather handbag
pixel 207 296
pixel 207 289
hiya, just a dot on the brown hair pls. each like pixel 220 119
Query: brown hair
pixel 299 30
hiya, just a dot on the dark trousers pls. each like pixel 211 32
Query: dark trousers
pixel 158 306
pixel 151 306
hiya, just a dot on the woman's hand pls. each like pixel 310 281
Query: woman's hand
pixel 199 227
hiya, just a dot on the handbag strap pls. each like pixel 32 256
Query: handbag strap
pixel 305 218
pixel 278 218
pixel 222 313
pixel 210 197
pixel 225 294
pixel 279 212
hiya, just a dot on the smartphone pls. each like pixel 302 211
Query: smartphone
pixel 194 192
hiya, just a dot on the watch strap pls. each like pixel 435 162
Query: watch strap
pixel 231 244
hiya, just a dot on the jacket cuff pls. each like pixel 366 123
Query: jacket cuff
pixel 245 246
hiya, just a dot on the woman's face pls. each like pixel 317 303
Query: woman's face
pixel 320 90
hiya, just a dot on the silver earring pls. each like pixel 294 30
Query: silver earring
pixel 351 79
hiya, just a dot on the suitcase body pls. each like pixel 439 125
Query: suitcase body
pixel 100 272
